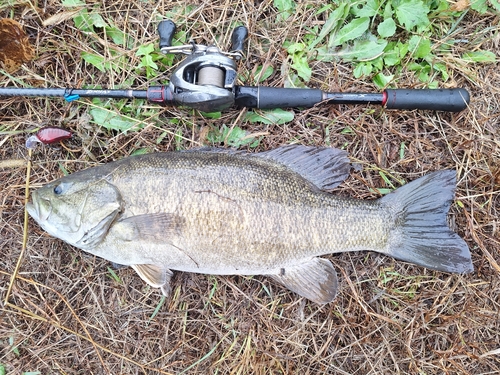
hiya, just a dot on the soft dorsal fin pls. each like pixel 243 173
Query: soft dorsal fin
pixel 315 279
pixel 323 166
pixel 155 276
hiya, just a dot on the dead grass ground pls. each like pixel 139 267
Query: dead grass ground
pixel 66 315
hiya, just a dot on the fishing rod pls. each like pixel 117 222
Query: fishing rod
pixel 206 80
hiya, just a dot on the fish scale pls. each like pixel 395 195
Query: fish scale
pixel 224 212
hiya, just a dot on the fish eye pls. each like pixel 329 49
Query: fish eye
pixel 58 189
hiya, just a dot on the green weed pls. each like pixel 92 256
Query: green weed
pixel 157 309
pixel 114 276
pixel 232 136
pixel 270 116
pixel 381 38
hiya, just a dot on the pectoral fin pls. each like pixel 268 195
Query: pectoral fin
pixel 156 226
pixel 155 276
pixel 315 280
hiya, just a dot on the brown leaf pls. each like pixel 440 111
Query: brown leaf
pixel 460 5
pixel 60 17
pixel 15 48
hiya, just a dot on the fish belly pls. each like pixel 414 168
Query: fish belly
pixel 228 236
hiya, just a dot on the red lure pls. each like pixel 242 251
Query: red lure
pixel 52 134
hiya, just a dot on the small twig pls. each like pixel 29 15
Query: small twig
pixel 25 230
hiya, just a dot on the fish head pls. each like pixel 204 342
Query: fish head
pixel 75 209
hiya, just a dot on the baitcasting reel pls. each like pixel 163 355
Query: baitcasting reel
pixel 207 77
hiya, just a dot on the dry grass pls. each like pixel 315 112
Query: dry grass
pixel 67 315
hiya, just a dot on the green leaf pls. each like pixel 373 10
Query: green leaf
pixel 295 48
pixel 387 28
pixel 147 61
pixel 362 50
pixel 111 120
pixel 392 54
pixel 83 21
pixel 140 151
pixel 270 117
pixel 285 8
pixel 387 11
pixel 14 349
pixel 95 60
pixel 352 30
pixel 232 136
pixel 97 20
pixel 301 65
pixel 382 81
pixel 157 309
pixel 212 115
pixel 411 13
pixel 72 3
pixel 333 20
pixel 362 69
pixel 382 191
pixel 145 49
pixel 263 75
pixel 118 36
pixel 299 60
pixel 403 49
pixel 479 56
pixel 480 6
pixel 367 8
pixel 391 58
pixel 420 46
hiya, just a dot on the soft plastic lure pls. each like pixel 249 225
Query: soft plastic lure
pixel 48 135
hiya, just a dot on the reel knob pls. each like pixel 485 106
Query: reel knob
pixel 166 30
pixel 238 39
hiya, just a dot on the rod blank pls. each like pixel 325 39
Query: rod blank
pixel 450 100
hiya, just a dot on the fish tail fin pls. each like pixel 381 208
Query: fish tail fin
pixel 421 235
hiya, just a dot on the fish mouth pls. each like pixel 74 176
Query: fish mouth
pixel 36 209
pixel 32 211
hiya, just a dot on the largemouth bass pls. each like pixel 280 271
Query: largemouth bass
pixel 221 212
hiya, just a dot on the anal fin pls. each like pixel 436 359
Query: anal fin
pixel 315 280
pixel 155 276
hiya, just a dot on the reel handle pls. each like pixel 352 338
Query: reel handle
pixel 166 30
pixel 238 39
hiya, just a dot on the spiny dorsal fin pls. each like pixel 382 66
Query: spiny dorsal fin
pixel 323 166
pixel 315 279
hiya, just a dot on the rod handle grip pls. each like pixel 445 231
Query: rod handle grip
pixel 166 31
pixel 450 100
